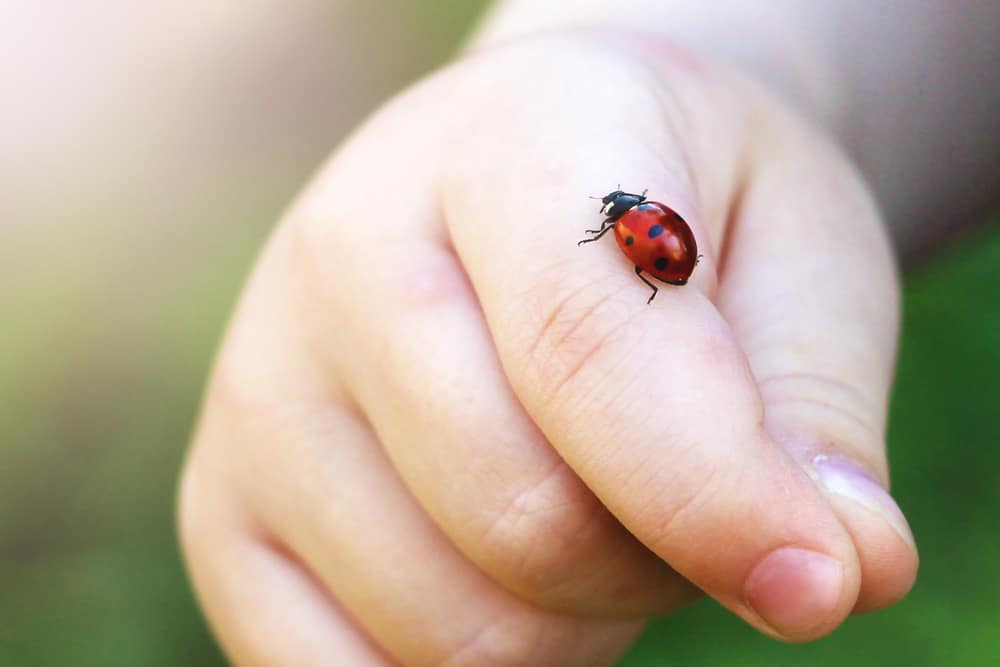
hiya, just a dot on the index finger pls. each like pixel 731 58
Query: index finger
pixel 653 406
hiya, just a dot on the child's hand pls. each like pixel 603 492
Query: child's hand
pixel 434 412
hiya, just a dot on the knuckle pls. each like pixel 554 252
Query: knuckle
pixel 671 521
pixel 559 88
pixel 332 261
pixel 245 409
pixel 853 401
pixel 318 249
pixel 587 325
pixel 850 417
pixel 716 350
pixel 239 389
pixel 538 536
pixel 508 640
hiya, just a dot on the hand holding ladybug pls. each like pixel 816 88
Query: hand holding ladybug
pixel 439 432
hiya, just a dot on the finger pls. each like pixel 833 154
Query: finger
pixel 820 329
pixel 418 359
pixel 265 609
pixel 313 473
pixel 654 407
pixel 393 569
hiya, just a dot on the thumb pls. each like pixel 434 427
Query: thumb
pixel 810 289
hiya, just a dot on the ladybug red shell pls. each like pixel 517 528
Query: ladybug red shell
pixel 652 235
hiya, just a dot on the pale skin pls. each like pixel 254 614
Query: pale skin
pixel 440 432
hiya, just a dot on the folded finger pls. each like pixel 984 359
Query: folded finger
pixel 265 608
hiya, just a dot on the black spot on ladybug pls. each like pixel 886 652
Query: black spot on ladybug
pixel 662 262
pixel 629 241
pixel 655 231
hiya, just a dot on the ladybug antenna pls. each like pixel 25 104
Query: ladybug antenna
pixel 617 189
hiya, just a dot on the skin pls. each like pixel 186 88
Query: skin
pixel 438 432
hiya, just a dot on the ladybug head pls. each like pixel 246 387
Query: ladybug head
pixel 615 204
pixel 608 200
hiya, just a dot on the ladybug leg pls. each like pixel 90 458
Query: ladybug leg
pixel 604 226
pixel 655 289
pixel 600 233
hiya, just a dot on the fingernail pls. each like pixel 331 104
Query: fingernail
pixel 846 478
pixel 795 590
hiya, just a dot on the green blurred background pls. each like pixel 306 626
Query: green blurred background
pixel 152 151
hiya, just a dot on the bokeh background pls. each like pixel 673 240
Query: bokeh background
pixel 146 149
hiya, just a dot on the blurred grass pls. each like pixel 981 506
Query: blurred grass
pixel 91 575
pixel 100 388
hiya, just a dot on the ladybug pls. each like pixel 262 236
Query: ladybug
pixel 652 235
